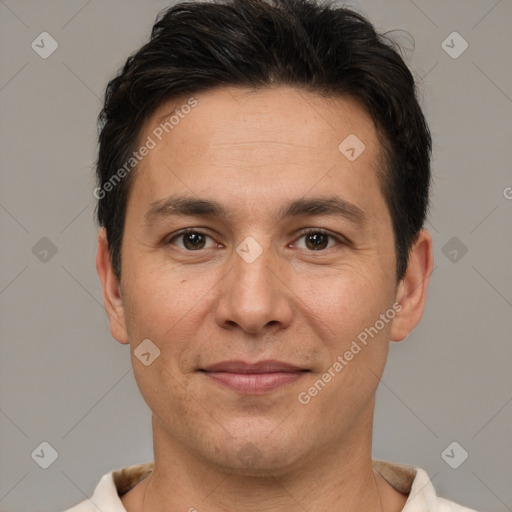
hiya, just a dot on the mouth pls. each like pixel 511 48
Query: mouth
pixel 255 378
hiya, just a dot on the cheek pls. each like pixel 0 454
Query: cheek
pixel 169 399
pixel 343 314
pixel 168 307
pixel 160 300
pixel 161 308
pixel 344 302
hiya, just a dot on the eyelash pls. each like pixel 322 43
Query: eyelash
pixel 303 233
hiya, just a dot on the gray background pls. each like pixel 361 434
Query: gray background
pixel 65 381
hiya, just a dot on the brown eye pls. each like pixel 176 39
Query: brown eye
pixel 318 240
pixel 194 241
pixel 191 240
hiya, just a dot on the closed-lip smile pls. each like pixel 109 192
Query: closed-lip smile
pixel 253 378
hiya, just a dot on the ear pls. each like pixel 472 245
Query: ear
pixel 111 290
pixel 412 289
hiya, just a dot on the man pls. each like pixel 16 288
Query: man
pixel 263 181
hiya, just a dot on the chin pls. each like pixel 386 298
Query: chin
pixel 257 454
pixel 256 462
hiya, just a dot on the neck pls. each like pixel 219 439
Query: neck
pixel 341 479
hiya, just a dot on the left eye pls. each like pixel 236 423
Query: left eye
pixel 315 240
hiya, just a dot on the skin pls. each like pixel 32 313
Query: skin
pixel 253 151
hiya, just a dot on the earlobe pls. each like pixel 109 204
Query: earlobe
pixel 111 290
pixel 412 289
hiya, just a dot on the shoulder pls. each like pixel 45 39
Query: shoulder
pixel 416 484
pixel 423 488
pixel 106 496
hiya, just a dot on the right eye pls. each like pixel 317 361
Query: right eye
pixel 193 240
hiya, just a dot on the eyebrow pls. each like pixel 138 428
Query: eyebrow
pixel 194 207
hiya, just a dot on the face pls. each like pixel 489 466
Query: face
pixel 258 258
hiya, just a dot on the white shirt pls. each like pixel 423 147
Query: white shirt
pixel 411 481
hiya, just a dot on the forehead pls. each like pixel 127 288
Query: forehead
pixel 280 140
pixel 285 114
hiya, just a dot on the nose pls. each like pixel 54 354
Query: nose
pixel 255 292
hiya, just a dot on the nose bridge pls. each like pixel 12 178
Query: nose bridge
pixel 253 294
pixel 252 269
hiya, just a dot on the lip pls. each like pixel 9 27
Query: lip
pixel 253 378
pixel 268 366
